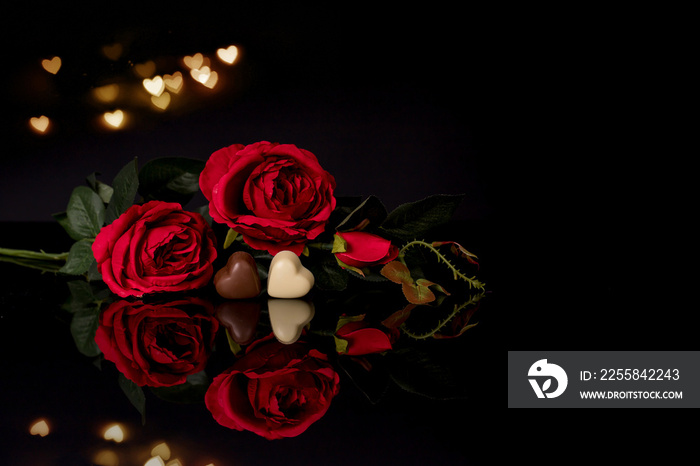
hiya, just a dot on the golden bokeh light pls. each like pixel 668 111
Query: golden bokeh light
pixel 53 65
pixel 106 458
pixel 39 124
pixel 205 76
pixel 228 55
pixel 155 461
pixel 194 62
pixel 161 101
pixel 113 51
pixel 114 432
pixel 174 462
pixel 173 82
pixel 201 74
pixel 162 450
pixel 107 93
pixel 115 119
pixel 40 427
pixel 145 70
pixel 154 86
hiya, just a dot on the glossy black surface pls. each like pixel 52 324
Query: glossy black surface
pixel 45 376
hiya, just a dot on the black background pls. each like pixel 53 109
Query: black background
pixel 552 121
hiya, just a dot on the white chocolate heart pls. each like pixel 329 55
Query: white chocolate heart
pixel 288 317
pixel 287 277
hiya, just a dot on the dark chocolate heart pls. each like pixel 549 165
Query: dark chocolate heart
pixel 240 319
pixel 239 278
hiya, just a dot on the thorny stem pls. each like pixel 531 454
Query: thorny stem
pixel 458 275
pixel 442 323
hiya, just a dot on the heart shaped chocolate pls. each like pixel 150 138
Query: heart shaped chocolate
pixel 287 277
pixel 239 278
pixel 288 317
pixel 240 319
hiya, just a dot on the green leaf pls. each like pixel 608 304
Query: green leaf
pixel 458 250
pixel 341 345
pixel 80 258
pixel 397 272
pixel 170 179
pixel 231 235
pixel 415 219
pixel 417 294
pixel 344 319
pixel 428 283
pixel 233 346
pixel 339 244
pixel 371 212
pixel 399 317
pixel 83 327
pixel 81 297
pixel 125 187
pixel 103 190
pixel 345 266
pixel 135 395
pixel 85 212
pixel 327 274
pixel 62 219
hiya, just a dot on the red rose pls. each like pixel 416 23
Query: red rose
pixel 276 195
pixel 159 344
pixel 366 249
pixel 155 247
pixel 363 339
pixel 274 390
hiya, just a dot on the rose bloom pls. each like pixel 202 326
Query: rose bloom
pixel 274 390
pixel 276 195
pixel 155 247
pixel 364 339
pixel 366 249
pixel 157 344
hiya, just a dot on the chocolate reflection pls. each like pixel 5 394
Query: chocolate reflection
pixel 157 344
pixel 288 317
pixel 240 318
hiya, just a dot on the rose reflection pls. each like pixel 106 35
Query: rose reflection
pixel 275 390
pixel 158 344
pixel 270 387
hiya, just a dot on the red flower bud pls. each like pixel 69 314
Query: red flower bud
pixel 366 249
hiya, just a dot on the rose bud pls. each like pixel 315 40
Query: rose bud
pixel 365 249
pixel 359 338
